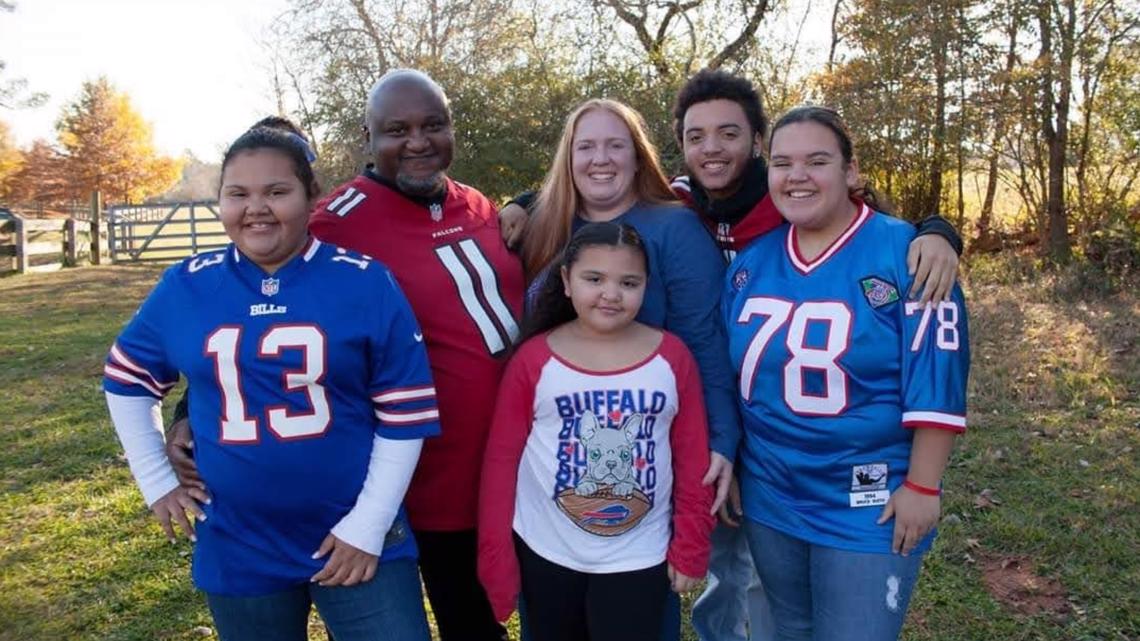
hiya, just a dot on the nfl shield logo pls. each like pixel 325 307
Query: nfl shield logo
pixel 270 286
pixel 740 279
pixel 436 212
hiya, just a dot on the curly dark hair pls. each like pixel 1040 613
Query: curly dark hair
pixel 715 84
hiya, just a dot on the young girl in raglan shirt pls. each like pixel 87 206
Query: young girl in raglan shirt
pixel 591 502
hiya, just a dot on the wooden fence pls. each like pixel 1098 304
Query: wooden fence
pixel 164 232
pixel 31 245
pixel 47 244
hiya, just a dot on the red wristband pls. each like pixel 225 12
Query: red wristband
pixel 922 489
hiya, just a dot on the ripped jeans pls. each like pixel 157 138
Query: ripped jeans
pixel 819 593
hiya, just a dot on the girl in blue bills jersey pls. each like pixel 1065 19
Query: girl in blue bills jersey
pixel 312 396
pixel 851 395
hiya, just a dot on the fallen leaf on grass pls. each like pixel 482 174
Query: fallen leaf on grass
pixel 986 499
pixel 973 544
pixel 203 631
pixel 1083 463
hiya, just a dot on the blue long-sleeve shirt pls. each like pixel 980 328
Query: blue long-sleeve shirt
pixel 682 295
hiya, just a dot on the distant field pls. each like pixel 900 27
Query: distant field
pixel 1039 539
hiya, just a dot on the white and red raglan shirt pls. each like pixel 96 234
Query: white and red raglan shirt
pixel 595 471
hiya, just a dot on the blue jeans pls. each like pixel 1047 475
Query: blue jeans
pixel 390 607
pixel 823 594
pixel 733 606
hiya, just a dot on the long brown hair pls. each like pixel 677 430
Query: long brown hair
pixel 558 200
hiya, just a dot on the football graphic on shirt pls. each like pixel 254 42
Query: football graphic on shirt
pixel 603 513
pixel 607 500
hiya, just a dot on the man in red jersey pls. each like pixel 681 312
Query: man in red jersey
pixel 441 240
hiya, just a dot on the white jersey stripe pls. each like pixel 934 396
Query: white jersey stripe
pixel 404 418
pixel 314 246
pixel 348 193
pixel 350 205
pixel 954 420
pixel 127 378
pixel 401 395
pixel 124 361
pixel 490 287
pixel 466 287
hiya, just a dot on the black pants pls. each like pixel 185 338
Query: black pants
pixel 568 605
pixel 447 565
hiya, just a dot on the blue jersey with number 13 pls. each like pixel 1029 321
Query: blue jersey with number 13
pixel 293 374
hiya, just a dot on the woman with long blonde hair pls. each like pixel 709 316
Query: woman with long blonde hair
pixel 559 200
pixel 606 169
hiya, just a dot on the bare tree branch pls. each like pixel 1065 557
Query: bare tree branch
pixel 373 34
pixel 733 48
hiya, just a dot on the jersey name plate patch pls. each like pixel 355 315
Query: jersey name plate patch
pixel 869 485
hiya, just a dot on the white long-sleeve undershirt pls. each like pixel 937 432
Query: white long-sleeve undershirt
pixel 138 423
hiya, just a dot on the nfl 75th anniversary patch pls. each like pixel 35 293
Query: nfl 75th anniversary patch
pixel 878 291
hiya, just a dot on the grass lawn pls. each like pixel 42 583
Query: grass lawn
pixel 1040 537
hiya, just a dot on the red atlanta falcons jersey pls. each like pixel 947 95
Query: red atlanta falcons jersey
pixel 466 290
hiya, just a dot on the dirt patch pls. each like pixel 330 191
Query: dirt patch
pixel 1012 581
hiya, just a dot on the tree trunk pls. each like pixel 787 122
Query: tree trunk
pixel 834 34
pixel 1060 245
pixel 986 215
pixel 937 158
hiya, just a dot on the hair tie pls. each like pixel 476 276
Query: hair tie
pixel 310 155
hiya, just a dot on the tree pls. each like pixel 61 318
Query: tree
pixel 1057 21
pixel 675 35
pixel 40 180
pixel 999 117
pixel 107 146
pixel 10 160
pixel 894 87
pixel 1107 68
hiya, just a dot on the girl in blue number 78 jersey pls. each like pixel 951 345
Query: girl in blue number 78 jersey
pixel 851 395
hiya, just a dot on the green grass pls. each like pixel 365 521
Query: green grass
pixel 1055 429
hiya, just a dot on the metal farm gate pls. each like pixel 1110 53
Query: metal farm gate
pixel 163 231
